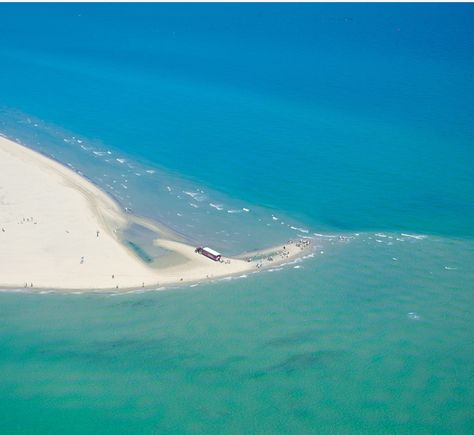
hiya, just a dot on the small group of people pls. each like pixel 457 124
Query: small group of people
pixel 28 219
pixel 303 243
pixel 284 253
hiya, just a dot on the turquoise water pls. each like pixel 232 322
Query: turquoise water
pixel 351 124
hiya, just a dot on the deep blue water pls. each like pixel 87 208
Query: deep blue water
pixel 353 116
pixel 336 118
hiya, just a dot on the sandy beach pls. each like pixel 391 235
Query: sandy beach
pixel 60 231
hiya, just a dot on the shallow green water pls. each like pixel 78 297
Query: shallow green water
pixel 329 347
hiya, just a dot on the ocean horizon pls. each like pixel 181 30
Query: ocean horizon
pixel 241 126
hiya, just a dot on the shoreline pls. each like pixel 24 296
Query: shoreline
pixel 151 288
pixel 71 240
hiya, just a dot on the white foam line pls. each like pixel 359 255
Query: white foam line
pixel 216 206
pixel 325 235
pixel 197 196
pixel 299 229
pixel 415 236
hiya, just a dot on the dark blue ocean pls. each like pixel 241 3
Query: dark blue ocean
pixel 243 125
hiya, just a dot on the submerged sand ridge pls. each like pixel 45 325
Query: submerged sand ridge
pixel 59 231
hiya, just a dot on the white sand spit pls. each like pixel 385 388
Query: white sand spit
pixel 59 231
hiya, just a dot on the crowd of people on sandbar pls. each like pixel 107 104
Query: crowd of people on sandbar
pixel 283 253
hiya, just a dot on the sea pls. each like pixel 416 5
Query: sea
pixel 241 126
